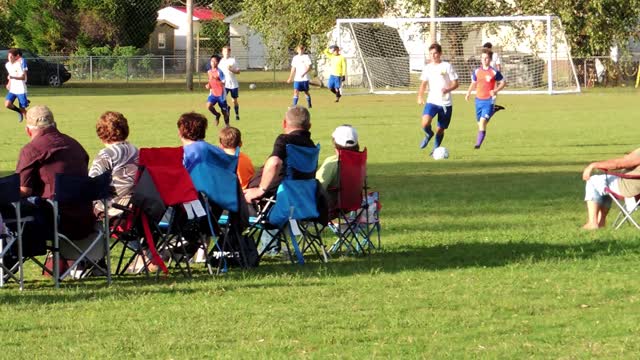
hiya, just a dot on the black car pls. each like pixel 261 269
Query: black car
pixel 41 72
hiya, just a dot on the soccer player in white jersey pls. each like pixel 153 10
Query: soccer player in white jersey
pixel 230 68
pixel 441 80
pixel 17 83
pixel 300 68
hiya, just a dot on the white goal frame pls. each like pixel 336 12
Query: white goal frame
pixel 548 45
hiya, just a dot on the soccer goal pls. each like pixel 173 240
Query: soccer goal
pixel 386 55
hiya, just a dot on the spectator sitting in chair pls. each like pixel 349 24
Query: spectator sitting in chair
pixel 192 129
pixel 50 152
pixel 118 156
pixel 598 202
pixel 296 125
pixel 345 137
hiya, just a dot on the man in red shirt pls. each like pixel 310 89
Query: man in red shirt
pixel 488 82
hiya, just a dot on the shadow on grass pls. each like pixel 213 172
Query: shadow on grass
pixel 458 256
pixel 407 191
pixel 272 274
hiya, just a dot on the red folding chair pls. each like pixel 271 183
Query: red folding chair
pixel 165 206
pixel 626 205
pixel 352 219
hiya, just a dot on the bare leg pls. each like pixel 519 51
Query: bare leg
pixel 595 215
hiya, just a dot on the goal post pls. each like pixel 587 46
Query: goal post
pixel 386 55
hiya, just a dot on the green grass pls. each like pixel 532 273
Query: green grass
pixel 482 253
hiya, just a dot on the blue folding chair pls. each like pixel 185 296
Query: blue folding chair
pixel 288 219
pixel 215 177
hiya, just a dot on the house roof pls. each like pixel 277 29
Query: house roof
pixel 202 13
pixel 167 22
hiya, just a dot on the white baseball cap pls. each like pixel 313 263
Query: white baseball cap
pixel 345 135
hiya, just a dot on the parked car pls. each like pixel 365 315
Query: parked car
pixel 41 71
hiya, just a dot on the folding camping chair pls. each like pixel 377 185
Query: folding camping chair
pixel 355 219
pixel 70 192
pixel 292 216
pixel 10 196
pixel 627 206
pixel 164 215
pixel 215 177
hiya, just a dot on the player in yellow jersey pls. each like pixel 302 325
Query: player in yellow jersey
pixel 338 70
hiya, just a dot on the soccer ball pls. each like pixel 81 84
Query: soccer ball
pixel 440 153
pixel 252 86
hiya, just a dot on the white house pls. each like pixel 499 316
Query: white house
pixel 177 16
pixel 246 45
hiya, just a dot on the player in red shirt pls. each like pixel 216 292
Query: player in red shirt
pixel 488 82
pixel 217 91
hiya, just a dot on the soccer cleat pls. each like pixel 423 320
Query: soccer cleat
pixel 476 147
pixel 237 117
pixel 425 142
pixel 497 108
pixel 20 117
pixel 217 119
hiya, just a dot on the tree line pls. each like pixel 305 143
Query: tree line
pixel 65 26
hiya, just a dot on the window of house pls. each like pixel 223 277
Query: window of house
pixel 162 40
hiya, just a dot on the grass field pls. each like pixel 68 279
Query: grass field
pixel 483 255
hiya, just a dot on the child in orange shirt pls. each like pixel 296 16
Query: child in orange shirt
pixel 230 139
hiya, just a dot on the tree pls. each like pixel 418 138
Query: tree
pixel 285 23
pixel 592 26
pixel 65 25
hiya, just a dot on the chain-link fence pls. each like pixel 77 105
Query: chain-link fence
pixel 120 71
pixel 153 69
pixel 602 71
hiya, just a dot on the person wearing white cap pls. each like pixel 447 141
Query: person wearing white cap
pixel 345 137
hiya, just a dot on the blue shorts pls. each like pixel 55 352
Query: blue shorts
pixel 234 92
pixel 22 99
pixel 334 82
pixel 484 109
pixel 301 85
pixel 220 100
pixel 444 114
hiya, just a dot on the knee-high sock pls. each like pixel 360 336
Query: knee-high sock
pixel 295 100
pixel 14 108
pixel 438 141
pixel 428 131
pixel 237 109
pixel 480 138
pixel 309 100
pixel 214 112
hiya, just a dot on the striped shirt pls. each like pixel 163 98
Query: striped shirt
pixel 122 160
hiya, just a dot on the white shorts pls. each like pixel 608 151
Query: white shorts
pixel 594 188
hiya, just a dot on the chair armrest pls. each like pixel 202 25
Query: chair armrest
pixel 621 175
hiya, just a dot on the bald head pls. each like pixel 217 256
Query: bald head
pixel 298 117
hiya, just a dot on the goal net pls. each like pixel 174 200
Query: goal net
pixel 386 55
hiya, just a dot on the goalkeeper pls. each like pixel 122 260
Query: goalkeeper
pixel 338 70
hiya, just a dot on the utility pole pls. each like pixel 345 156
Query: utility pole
pixel 189 54
pixel 432 14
